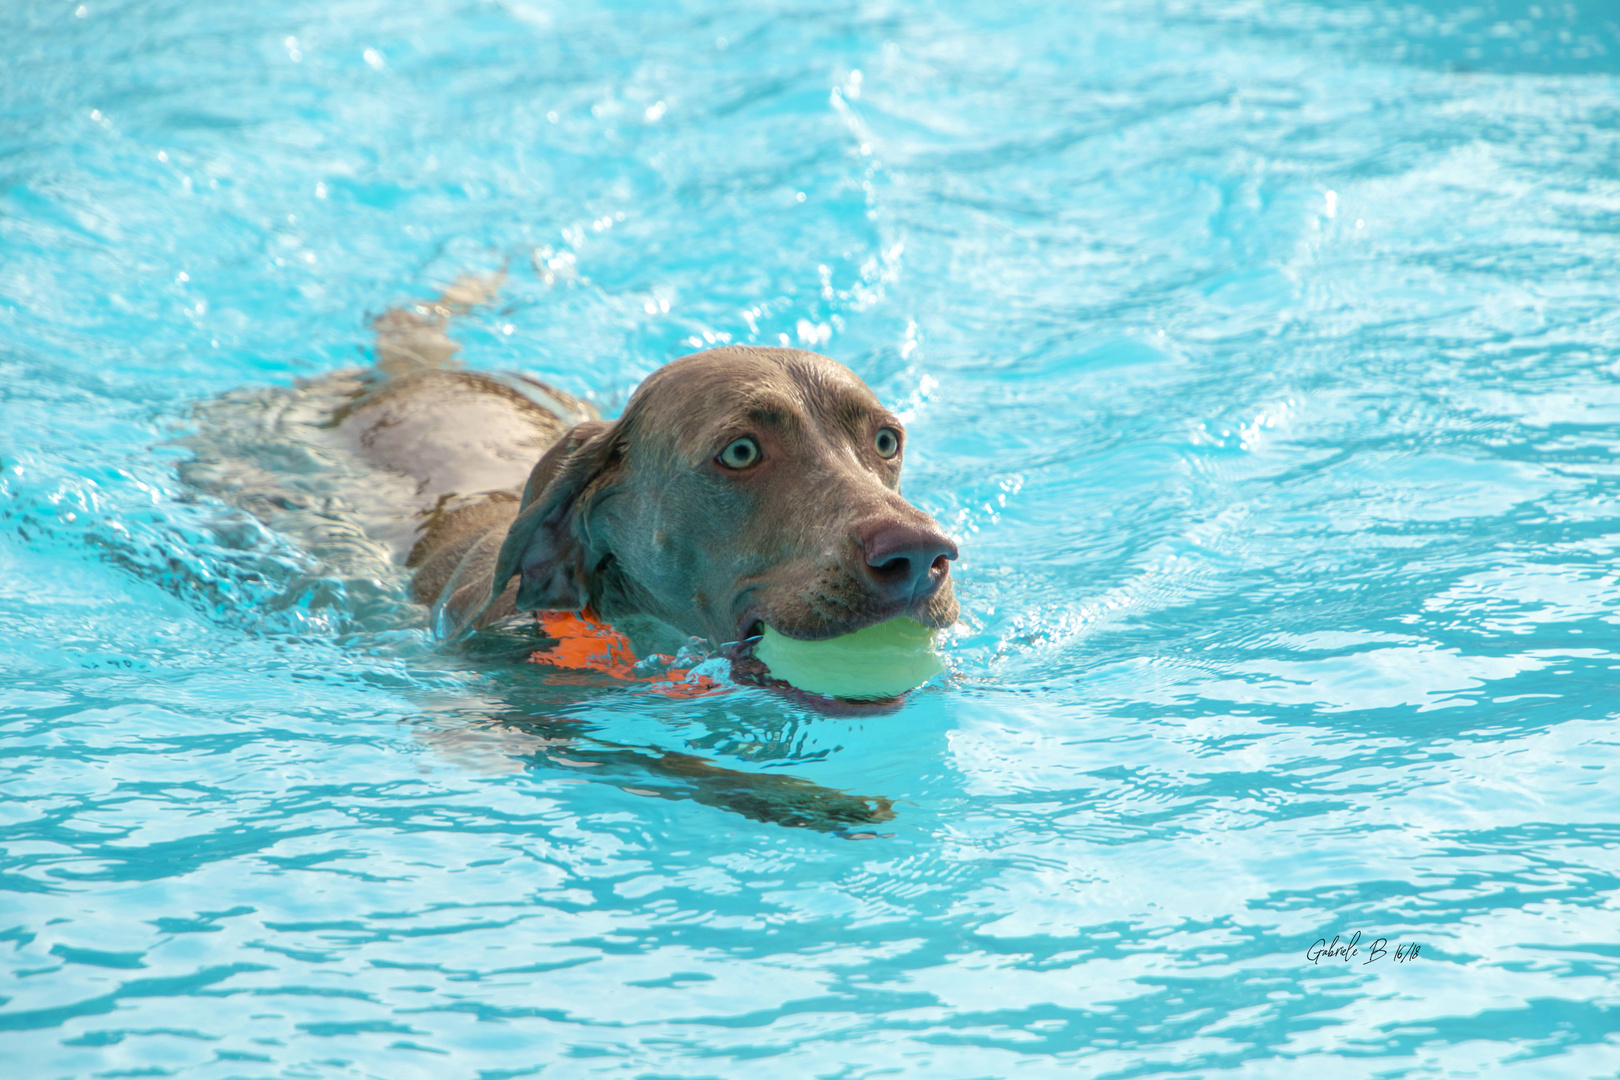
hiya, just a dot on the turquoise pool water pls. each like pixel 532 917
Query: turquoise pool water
pixel 1265 358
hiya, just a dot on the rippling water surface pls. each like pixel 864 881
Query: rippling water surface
pixel 1263 356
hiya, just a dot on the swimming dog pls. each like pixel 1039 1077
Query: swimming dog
pixel 740 488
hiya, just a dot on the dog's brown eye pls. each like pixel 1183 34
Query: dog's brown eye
pixel 887 442
pixel 740 453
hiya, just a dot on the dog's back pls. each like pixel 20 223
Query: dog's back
pixel 404 466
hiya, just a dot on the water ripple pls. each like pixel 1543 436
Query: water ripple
pixel 1261 356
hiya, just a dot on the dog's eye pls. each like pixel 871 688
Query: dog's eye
pixel 740 453
pixel 887 442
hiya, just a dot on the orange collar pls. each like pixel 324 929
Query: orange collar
pixel 586 643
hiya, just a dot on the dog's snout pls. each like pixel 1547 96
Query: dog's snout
pixel 904 560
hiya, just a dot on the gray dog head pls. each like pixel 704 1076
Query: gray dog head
pixel 742 487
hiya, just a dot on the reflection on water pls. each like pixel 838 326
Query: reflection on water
pixel 1263 358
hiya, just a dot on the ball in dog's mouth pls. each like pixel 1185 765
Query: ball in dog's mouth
pixel 878 663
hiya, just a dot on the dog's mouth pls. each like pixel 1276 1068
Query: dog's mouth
pixel 751 631
pixel 749 669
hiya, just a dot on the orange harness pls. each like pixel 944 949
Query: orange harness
pixel 585 643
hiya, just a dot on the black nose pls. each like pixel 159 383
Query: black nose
pixel 906 561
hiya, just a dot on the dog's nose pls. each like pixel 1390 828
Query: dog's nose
pixel 906 561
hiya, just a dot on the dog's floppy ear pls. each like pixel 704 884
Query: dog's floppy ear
pixel 545 543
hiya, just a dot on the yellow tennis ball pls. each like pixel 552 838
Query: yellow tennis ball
pixel 881 661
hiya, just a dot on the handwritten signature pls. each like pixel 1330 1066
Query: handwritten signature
pixel 1323 949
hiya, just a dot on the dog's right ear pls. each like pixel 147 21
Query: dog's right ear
pixel 545 545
